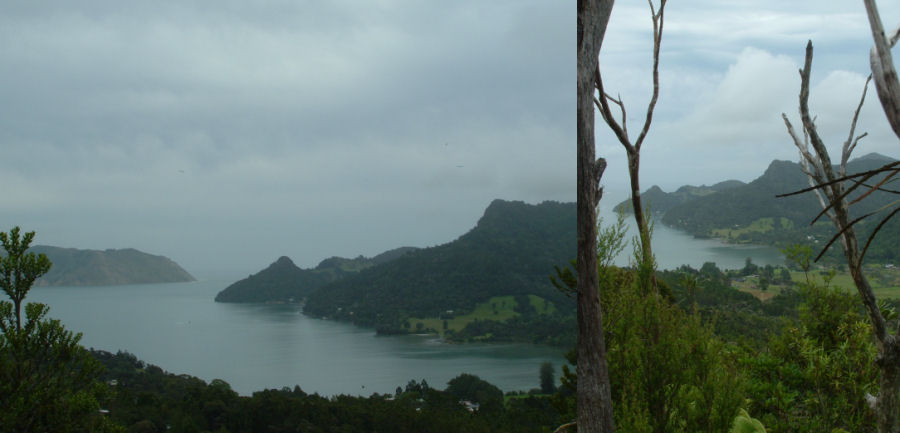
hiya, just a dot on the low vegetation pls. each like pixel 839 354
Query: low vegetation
pixel 496 309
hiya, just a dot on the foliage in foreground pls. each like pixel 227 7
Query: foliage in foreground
pixel 147 399
pixel 669 372
pixel 815 375
pixel 47 381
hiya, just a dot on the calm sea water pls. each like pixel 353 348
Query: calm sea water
pixel 674 248
pixel 181 329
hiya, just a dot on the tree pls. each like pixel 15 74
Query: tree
pixel 749 268
pixel 669 372
pixel 633 149
pixel 711 272
pixel 548 379
pixel 594 412
pixel 18 270
pixel 47 381
pixel 785 275
pixel 689 281
pixel 815 373
pixel 829 187
pixel 473 388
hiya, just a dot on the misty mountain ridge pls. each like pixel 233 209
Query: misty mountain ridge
pixel 77 267
pixel 751 212
pixel 659 201
pixel 283 281
pixel 512 250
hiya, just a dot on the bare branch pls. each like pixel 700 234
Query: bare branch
pixel 624 114
pixel 809 124
pixel 802 146
pixel 850 144
pixel 565 427
pixel 606 112
pixel 839 233
pixel 866 174
pixel 875 232
pixel 830 186
pixel 882 63
pixel 657 41
pixel 853 146
pixel 876 187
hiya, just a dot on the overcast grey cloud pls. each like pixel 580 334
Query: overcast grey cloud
pixel 728 70
pixel 224 134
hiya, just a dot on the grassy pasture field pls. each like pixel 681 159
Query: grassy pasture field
pixel 762 225
pixel 497 308
pixel 884 281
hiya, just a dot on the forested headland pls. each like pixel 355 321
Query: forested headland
pixel 753 213
pixel 79 267
pixel 490 284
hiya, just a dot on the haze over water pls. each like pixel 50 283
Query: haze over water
pixel 251 346
pixel 255 346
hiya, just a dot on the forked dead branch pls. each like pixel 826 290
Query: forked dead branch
pixel 831 188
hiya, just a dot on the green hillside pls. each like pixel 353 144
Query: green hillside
pixel 76 267
pixel 660 201
pixel 751 213
pixel 283 281
pixel 511 252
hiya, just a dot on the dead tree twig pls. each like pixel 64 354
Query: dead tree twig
pixel 633 149
pixel 829 187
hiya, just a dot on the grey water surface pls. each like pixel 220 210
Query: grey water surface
pixel 255 346
pixel 252 347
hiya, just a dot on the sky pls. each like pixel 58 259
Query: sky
pixel 728 70
pixel 224 134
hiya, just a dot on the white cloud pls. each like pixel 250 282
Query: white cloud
pixel 728 71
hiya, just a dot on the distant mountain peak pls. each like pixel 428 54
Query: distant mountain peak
pixel 780 164
pixel 284 260
pixel 283 281
pixel 508 253
pixel 874 156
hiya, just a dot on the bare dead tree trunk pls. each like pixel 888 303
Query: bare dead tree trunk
pixel 633 150
pixel 594 398
pixel 888 87
pixel 832 195
pixel 882 63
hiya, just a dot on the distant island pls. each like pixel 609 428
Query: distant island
pixel 751 213
pixel 76 267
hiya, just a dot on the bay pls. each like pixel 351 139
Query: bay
pixel 252 346
pixel 674 248
pixel 255 346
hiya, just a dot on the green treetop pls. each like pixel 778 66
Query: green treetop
pixel 18 270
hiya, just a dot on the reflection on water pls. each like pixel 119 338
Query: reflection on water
pixel 251 346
